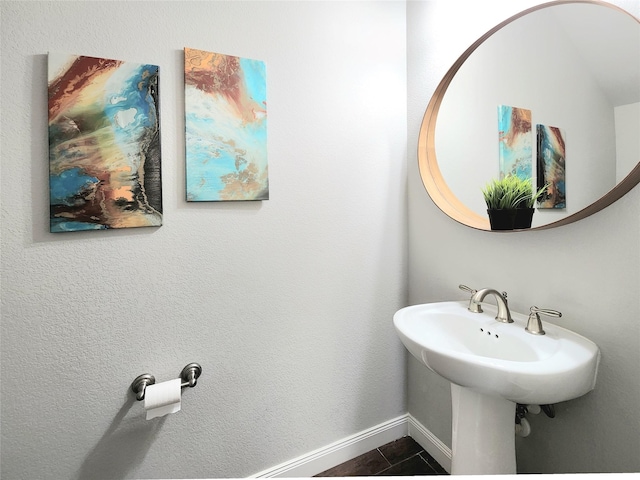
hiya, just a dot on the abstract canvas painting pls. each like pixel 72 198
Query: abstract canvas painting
pixel 551 166
pixel 515 142
pixel 104 144
pixel 225 127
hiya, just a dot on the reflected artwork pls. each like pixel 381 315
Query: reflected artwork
pixel 551 166
pixel 225 127
pixel 104 144
pixel 515 149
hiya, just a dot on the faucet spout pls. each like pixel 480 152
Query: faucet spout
pixel 504 315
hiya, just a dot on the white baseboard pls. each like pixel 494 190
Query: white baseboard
pixel 432 444
pixel 338 452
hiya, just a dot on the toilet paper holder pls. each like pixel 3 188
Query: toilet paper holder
pixel 189 376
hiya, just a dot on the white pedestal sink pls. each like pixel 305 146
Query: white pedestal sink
pixel 491 367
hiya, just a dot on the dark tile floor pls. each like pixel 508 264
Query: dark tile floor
pixel 402 457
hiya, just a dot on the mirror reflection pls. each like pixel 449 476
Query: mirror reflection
pixel 574 66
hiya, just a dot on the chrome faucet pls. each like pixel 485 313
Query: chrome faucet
pixel 504 315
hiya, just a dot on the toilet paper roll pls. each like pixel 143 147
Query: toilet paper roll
pixel 162 398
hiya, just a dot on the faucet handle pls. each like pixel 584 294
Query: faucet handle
pixel 534 325
pixel 472 307
pixel 467 289
pixel 545 311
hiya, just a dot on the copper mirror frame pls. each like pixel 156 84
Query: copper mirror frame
pixel 432 177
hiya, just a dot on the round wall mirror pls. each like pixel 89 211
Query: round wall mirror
pixel 574 66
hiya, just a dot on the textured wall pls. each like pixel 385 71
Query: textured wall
pixel 287 303
pixel 589 270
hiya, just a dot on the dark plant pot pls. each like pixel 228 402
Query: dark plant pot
pixel 501 219
pixel 523 218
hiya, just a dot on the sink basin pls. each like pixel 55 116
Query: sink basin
pixel 474 350
pixel 491 367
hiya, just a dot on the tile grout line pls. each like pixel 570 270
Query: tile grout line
pixel 399 455
pixel 407 459
pixel 404 459
pixel 419 454
pixel 429 464
pixel 385 458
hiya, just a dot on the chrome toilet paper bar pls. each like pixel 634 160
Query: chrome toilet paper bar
pixel 189 376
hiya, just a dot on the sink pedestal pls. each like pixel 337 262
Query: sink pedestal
pixel 483 433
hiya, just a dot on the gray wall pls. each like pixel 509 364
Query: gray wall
pixel 286 303
pixel 590 271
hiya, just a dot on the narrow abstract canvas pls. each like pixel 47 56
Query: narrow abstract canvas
pixel 226 127
pixel 104 144
pixel 551 166
pixel 515 142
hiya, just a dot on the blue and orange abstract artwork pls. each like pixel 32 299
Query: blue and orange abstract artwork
pixel 225 127
pixel 104 144
pixel 515 142
pixel 550 166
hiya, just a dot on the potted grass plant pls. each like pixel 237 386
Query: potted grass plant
pixel 525 207
pixel 510 202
